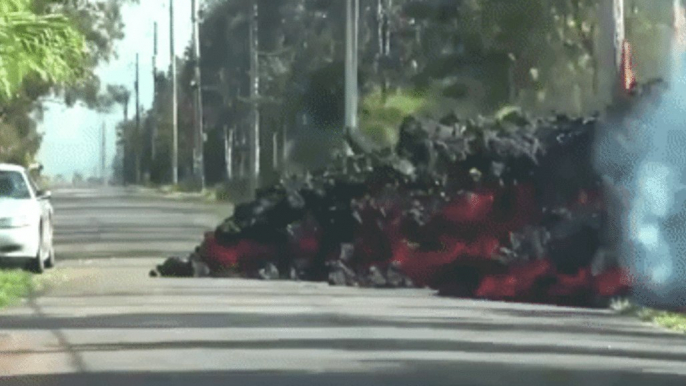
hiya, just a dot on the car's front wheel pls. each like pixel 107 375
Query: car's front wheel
pixel 50 248
pixel 50 262
pixel 38 263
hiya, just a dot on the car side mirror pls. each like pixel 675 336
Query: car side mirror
pixel 44 194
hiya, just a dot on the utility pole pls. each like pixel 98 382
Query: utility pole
pixel 172 75
pixel 242 143
pixel 199 162
pixel 284 148
pixel 351 63
pixel 384 42
pixel 103 150
pixel 228 152
pixel 126 105
pixel 611 46
pixel 609 52
pixel 254 132
pixel 137 137
pixel 275 151
pixel 679 37
pixel 153 134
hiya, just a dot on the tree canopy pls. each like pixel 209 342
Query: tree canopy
pixel 45 45
pixel 50 47
pixel 425 57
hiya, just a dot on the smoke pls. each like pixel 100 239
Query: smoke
pixel 642 156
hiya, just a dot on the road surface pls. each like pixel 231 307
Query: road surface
pixel 105 322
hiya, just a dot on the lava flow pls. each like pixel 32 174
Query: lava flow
pixel 482 212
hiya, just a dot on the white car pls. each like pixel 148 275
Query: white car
pixel 26 225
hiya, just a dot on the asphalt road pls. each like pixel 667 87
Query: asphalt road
pixel 121 223
pixel 103 321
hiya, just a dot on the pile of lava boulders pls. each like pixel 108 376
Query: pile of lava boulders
pixel 505 209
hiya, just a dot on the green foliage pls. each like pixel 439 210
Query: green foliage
pixel 100 22
pixel 119 94
pixel 50 46
pixel 14 285
pixel 224 192
pixel 382 115
pixel 132 141
pixel 506 112
pixel 469 57
pixel 45 45
pixel 670 320
pixel 19 141
pixel 15 148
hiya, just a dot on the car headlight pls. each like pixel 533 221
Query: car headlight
pixel 15 222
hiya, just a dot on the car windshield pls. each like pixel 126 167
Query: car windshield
pixel 13 185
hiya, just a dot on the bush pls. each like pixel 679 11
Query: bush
pixel 188 185
pixel 380 119
pixel 223 192
pixel 669 320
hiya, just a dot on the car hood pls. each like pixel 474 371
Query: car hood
pixel 10 207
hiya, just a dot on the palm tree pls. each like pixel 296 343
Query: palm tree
pixel 121 95
pixel 44 45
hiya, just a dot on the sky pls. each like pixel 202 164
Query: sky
pixel 71 141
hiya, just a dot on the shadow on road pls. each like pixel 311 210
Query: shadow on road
pixel 113 325
pixel 208 320
pixel 448 375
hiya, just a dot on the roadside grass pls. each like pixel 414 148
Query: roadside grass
pixel 218 193
pixel 670 320
pixel 180 192
pixel 14 284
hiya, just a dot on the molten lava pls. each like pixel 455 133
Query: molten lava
pixel 528 229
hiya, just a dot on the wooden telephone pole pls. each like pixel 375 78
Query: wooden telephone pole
pixel 254 132
pixel 103 152
pixel 199 162
pixel 351 64
pixel 153 133
pixel 136 140
pixel 611 46
pixel 175 118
